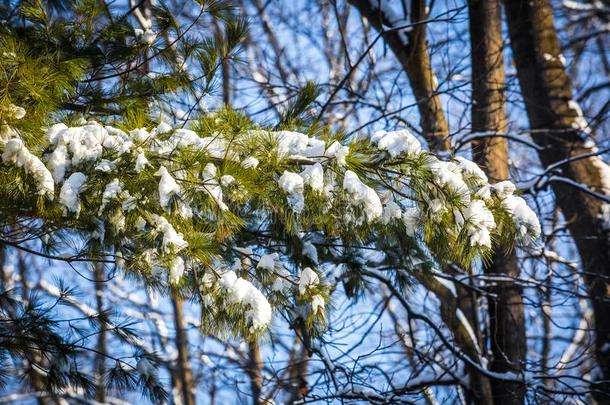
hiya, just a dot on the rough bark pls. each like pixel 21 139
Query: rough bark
pixel 299 364
pixel 100 367
pixel 506 313
pixel 184 374
pixel 559 128
pixel 411 49
pixel 254 370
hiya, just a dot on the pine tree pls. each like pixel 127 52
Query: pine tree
pixel 214 208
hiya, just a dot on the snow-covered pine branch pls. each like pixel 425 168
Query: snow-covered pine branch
pixel 166 203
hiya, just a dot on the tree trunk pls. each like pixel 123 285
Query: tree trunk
pixel 100 368
pixel 185 376
pixel 506 313
pixel 299 363
pixel 411 49
pixel 254 370
pixel 558 126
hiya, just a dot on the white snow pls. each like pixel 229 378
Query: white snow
pixel 17 154
pixel 579 120
pixel 339 152
pixel 523 217
pixel 310 251
pixel 226 180
pixel 163 128
pixel 291 143
pixel 147 36
pixel 363 195
pixel 479 222
pixel 172 240
pixel 307 278
pixel 268 262
pixel 448 174
pixel 292 184
pixel 472 171
pixel 241 291
pixel 168 187
pixel 69 195
pixel 391 212
pixel 176 270
pixel 313 176
pixel 16 112
pixel 105 166
pixel 141 162
pixel 250 163
pixel 317 304
pixel 112 191
pixel 397 143
pixel 211 185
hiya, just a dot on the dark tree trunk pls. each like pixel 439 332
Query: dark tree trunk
pixel 411 50
pixel 559 128
pixel 185 377
pixel 254 370
pixel 506 314
pixel 100 368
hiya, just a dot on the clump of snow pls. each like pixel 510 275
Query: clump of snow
pixel 226 180
pixel 391 212
pixel 84 144
pixel 291 143
pixel 141 162
pixel 317 304
pixel 112 191
pixel 397 143
pixel 168 187
pixel 310 251
pixel 292 184
pixel 17 154
pixel 307 279
pixel 243 292
pixel 448 174
pixel 176 270
pixel 471 171
pixel 172 240
pixel 147 36
pixel 250 163
pixel 313 176
pixel 296 144
pixel 105 166
pixel 524 218
pixel 339 152
pixel 363 195
pixel 268 262
pixel 479 223
pixel 163 128
pixel 579 120
pixel 211 185
pixel 69 195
